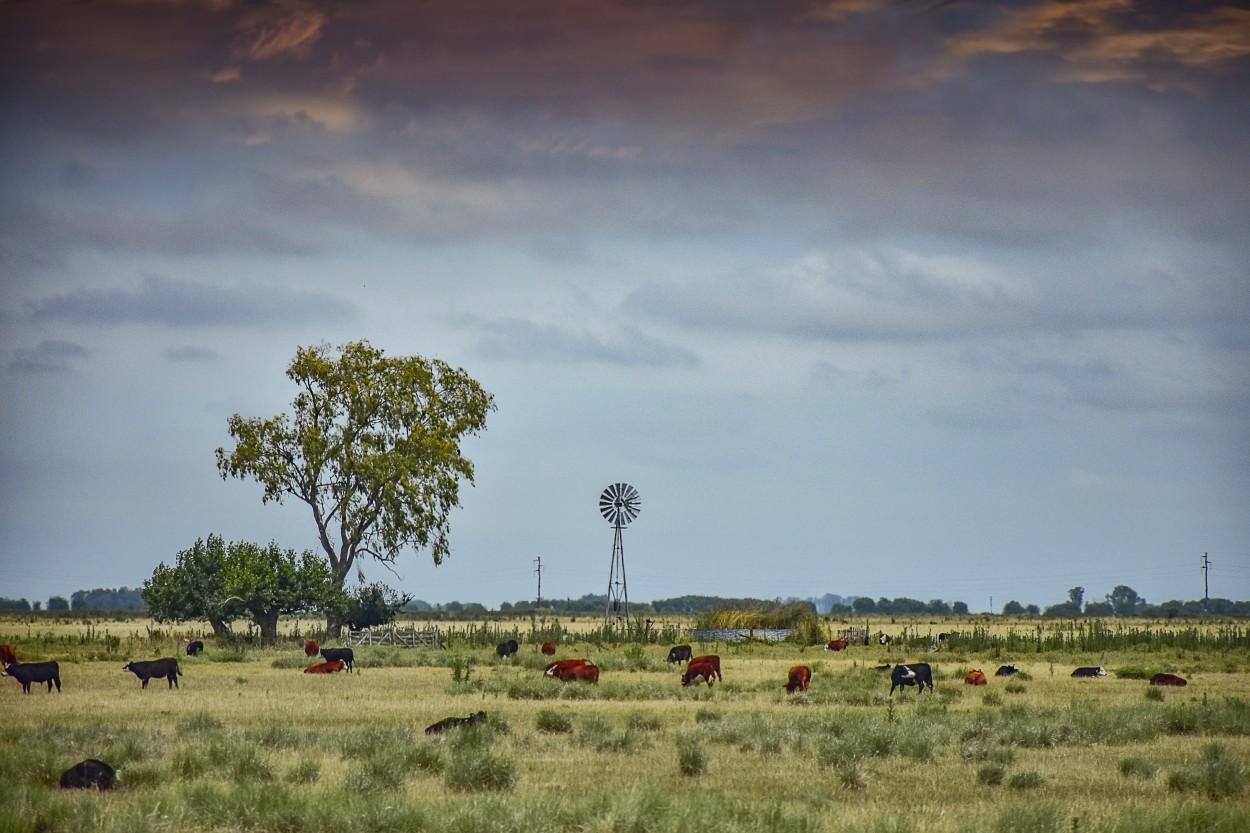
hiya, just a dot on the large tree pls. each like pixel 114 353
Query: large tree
pixel 373 449
pixel 222 582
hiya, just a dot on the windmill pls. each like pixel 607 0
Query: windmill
pixel 619 504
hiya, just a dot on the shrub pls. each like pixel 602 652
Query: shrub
pixel 1027 780
pixel 198 722
pixel 1137 767
pixel 991 774
pixel 691 759
pixel 307 771
pixel 707 715
pixel 1154 693
pixel 991 699
pixel 553 722
pixel 1014 687
pixel 381 771
pixel 477 769
pixel 850 777
pixel 1218 775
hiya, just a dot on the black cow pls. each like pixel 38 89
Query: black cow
pixel 1090 672
pixel 679 654
pixel 452 722
pixel 194 648
pixel 335 654
pixel 918 674
pixel 1006 671
pixel 506 649
pixel 89 773
pixel 35 672
pixel 146 670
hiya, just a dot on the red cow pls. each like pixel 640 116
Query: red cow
pixel 800 679
pixel 699 668
pixel 549 648
pixel 553 669
pixel 975 678
pixel 579 673
pixel 7 655
pixel 1168 679
pixel 311 648
pixel 712 660
pixel 326 667
pixel 837 645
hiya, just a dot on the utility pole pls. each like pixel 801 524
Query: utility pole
pixel 539 570
pixel 1206 583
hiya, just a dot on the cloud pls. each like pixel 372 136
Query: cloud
pixel 159 300
pixel 52 356
pixel 192 354
pixel 293 35
pixel 515 339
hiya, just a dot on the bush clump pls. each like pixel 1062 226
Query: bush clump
pixel 1218 775
pixel 1134 767
pixel 691 759
pixel 553 722
pixel 478 769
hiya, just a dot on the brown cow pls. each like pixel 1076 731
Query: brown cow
pixel 837 645
pixel 1168 679
pixel 799 680
pixel 579 673
pixel 326 667
pixel 8 656
pixel 553 668
pixel 975 678
pixel 885 638
pixel 712 660
pixel 699 668
pixel 311 648
pixel 549 648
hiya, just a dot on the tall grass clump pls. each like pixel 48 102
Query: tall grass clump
pixel 692 761
pixel 553 722
pixel 475 769
pixel 1135 767
pixel 1217 775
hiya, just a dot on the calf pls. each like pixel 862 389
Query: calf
pixel 549 649
pixel 334 654
pixel 579 673
pixel 918 674
pixel 506 649
pixel 311 648
pixel 1006 671
pixel 89 773
pixel 697 669
pixel 453 722
pixel 326 667
pixel 35 672
pixel 1168 679
pixel 712 660
pixel 1090 672
pixel 975 678
pixel 7 655
pixel 167 667
pixel 194 648
pixel 800 678
pixel 679 654
pixel 553 669
pixel 837 645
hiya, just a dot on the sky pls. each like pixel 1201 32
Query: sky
pixel 945 300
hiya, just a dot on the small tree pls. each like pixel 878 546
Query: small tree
pixel 959 608
pixel 1077 597
pixel 58 603
pixel 864 604
pixel 372 605
pixel 1013 608
pixel 1125 601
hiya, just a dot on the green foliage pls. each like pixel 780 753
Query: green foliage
pixel 373 448
pixel 1136 767
pixel 1217 775
pixel 692 761
pixel 306 771
pixel 477 769
pixel 554 722
pixel 374 604
pixel 991 774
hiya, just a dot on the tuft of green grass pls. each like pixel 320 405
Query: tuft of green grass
pixel 1154 693
pixel 1135 767
pixel 480 769
pixel 692 761
pixel 1218 775
pixel 306 771
pixel 553 722
pixel 1027 780
pixel 991 774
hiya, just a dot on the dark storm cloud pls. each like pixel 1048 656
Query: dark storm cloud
pixel 158 300
pixel 52 356
pixel 515 339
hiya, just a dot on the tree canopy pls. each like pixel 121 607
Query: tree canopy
pixel 372 447
pixel 220 583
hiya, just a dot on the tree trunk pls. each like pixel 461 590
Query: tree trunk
pixel 334 625
pixel 268 622
pixel 221 628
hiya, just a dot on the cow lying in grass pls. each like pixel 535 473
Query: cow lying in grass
pixel 345 654
pixel 975 678
pixel 326 667
pixel 453 722
pixel 89 773
pixel 554 669
pixel 167 667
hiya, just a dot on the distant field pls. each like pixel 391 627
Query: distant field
pixel 249 743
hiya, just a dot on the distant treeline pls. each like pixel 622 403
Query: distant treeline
pixel 121 598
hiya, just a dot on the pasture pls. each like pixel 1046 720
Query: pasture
pixel 249 743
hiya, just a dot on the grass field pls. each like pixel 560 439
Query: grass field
pixel 248 742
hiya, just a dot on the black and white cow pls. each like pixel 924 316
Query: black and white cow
pixel 918 674
pixel 35 672
pixel 506 649
pixel 679 654
pixel 89 773
pixel 146 670
pixel 1006 671
pixel 1090 672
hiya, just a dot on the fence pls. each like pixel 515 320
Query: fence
pixel 739 634
pixel 410 638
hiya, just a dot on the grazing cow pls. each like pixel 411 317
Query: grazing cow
pixel 697 669
pixel 679 654
pixel 549 649
pixel 506 649
pixel 345 654
pixel 453 722
pixel 89 773
pixel 35 672
pixel 311 648
pixel 553 669
pixel 712 660
pixel 1006 671
pixel 885 638
pixel 194 648
pixel 800 678
pixel 975 678
pixel 167 667
pixel 7 655
pixel 1168 679
pixel 837 645
pixel 1090 672
pixel 918 674
pixel 326 667
pixel 586 673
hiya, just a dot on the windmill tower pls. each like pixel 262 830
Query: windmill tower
pixel 619 504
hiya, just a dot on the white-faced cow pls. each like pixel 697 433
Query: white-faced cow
pixel 1087 672
pixel 1006 671
pixel 506 649
pixel 918 674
